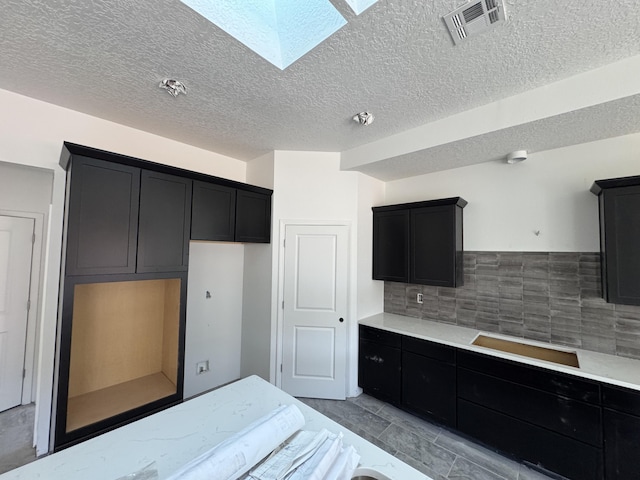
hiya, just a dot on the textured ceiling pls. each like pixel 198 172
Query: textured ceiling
pixel 106 58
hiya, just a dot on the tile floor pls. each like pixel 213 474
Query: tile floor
pixel 16 437
pixel 433 450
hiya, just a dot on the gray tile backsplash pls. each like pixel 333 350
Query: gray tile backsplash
pixel 549 297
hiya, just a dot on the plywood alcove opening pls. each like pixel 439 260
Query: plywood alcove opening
pixel 124 347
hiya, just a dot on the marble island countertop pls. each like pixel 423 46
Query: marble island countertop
pixel 169 439
pixel 621 371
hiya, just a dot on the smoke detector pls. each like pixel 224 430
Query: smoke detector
pixel 517 156
pixel 473 18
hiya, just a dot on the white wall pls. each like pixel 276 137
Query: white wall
pixel 214 324
pixel 31 133
pixel 549 193
pixel 310 188
pixel 258 342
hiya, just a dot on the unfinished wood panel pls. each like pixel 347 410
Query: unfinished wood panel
pixel 171 329
pixel 117 333
pixel 532 351
pixel 92 407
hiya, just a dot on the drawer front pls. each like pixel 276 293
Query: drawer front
pixel 429 388
pixel 538 446
pixel 542 379
pixel 621 399
pixel 565 416
pixel 437 351
pixel 381 336
pixel 379 372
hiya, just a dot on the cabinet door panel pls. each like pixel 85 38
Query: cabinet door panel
pixel 379 371
pixel 621 445
pixel 380 336
pixel 165 218
pixel 538 446
pixel 433 246
pixel 622 237
pixel 391 246
pixel 429 388
pixel 213 212
pixel 103 218
pixel 253 217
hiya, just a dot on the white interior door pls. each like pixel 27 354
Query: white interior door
pixel 16 247
pixel 315 311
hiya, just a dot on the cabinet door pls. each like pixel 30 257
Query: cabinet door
pixel 103 218
pixel 165 217
pixel 621 260
pixel 253 217
pixel 379 371
pixel 434 247
pixel 391 245
pixel 621 445
pixel 429 388
pixel 213 212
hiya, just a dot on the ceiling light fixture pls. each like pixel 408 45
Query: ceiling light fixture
pixel 173 87
pixel 517 156
pixel 364 118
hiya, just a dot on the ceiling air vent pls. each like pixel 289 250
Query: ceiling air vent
pixel 473 18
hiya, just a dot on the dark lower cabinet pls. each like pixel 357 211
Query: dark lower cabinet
pixel 621 418
pixel 538 446
pixel 559 423
pixel 429 380
pixel 164 226
pixel 379 364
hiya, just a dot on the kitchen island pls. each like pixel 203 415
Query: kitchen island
pixel 169 439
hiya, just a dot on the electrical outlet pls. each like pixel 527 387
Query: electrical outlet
pixel 202 367
pixel 419 298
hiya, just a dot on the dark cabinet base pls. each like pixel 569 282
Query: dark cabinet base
pixel 540 447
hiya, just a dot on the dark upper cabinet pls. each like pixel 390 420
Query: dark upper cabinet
pixel 213 212
pixel 391 245
pixel 619 206
pixel 165 216
pixel 222 213
pixel 436 246
pixel 419 242
pixel 103 217
pixel 253 217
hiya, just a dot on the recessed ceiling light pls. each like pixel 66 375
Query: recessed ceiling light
pixel 173 87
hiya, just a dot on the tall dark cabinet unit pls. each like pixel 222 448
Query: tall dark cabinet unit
pixel 419 242
pixel 619 206
pixel 128 223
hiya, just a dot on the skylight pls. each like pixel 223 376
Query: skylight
pixel 280 31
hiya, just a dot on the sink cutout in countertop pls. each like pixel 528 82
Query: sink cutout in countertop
pixel 532 351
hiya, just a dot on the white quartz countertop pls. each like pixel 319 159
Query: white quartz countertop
pixel 611 369
pixel 171 438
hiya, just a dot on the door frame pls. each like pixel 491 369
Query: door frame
pixel 33 323
pixel 351 307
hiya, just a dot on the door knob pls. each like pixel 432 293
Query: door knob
pixel 341 320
